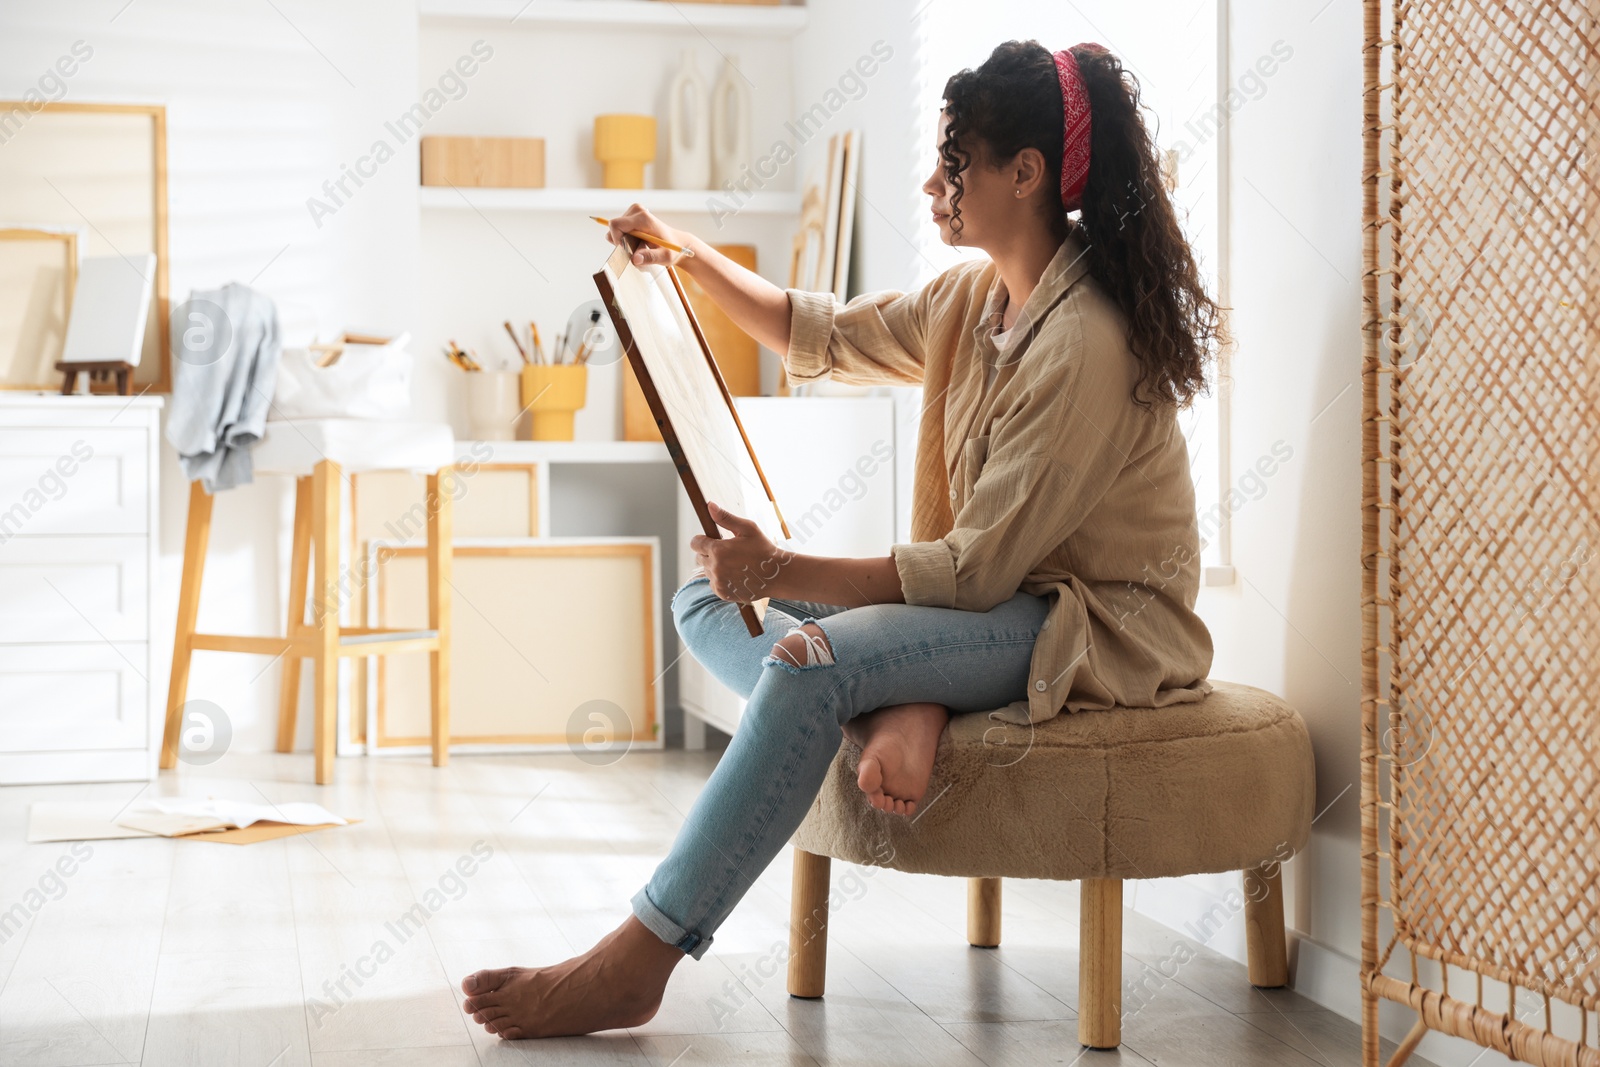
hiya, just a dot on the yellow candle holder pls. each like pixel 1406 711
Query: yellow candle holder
pixel 552 394
pixel 624 144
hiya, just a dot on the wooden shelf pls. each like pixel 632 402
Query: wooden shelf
pixel 746 19
pixel 568 452
pixel 606 202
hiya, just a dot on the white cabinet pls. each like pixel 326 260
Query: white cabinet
pixel 78 511
pixel 831 464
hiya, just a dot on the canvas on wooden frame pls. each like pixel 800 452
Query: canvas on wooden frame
pixel 38 274
pixel 554 642
pixel 101 169
pixel 490 500
pixel 688 398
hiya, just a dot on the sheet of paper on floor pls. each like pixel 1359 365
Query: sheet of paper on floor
pixel 213 813
pixel 98 820
pixel 78 820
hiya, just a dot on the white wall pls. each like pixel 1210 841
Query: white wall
pixel 262 107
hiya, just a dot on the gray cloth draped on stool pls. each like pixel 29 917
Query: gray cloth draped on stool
pixel 225 349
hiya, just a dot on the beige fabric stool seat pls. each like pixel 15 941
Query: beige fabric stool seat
pixel 319 454
pixel 1226 783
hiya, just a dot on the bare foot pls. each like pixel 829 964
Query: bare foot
pixel 617 983
pixel 898 744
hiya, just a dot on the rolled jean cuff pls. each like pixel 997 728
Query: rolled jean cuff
pixel 656 921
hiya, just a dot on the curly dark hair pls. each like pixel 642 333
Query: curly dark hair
pixel 1135 247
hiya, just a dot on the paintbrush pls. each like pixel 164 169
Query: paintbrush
pixel 583 348
pixel 650 239
pixel 460 358
pixel 523 352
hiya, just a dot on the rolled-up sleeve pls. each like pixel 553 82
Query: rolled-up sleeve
pixel 1046 468
pixel 875 339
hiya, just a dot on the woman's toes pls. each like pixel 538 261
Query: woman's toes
pixel 480 1003
pixel 870 777
pixel 482 981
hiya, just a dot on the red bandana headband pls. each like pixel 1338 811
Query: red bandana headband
pixel 1074 129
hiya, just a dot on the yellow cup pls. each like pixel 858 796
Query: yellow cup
pixel 624 144
pixel 552 395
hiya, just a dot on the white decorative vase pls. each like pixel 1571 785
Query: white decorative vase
pixel 730 124
pixel 688 127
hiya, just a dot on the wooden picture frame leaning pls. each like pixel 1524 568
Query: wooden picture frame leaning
pixel 689 400
pixel 35 129
pixel 530 648
pixel 37 322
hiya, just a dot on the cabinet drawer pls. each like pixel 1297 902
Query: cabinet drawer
pixel 92 589
pixel 66 698
pixel 74 480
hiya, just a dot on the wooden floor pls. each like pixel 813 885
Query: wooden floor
pixel 177 953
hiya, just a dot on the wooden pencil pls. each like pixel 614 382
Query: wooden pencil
pixel 650 238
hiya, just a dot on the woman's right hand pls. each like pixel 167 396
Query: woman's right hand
pixel 638 220
pixel 755 305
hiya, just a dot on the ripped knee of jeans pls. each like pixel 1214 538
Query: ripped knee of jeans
pixel 803 648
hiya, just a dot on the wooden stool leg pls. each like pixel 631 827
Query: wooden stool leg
pixel 441 529
pixel 299 566
pixel 325 615
pixel 808 925
pixel 1100 963
pixel 983 912
pixel 1265 942
pixel 195 539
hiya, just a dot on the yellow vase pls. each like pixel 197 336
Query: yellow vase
pixel 552 395
pixel 624 144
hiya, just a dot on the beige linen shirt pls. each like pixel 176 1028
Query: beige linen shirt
pixel 1049 479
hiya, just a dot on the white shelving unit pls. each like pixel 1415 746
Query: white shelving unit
pixel 493 254
pixel 574 452
pixel 747 19
pixel 605 201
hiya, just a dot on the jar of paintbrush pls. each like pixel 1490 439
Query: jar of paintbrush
pixel 555 384
pixel 493 407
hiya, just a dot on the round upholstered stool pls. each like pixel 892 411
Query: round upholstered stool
pixel 1222 784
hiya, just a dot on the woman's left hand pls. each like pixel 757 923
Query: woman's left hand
pixel 743 567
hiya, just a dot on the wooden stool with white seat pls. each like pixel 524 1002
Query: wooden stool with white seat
pixel 319 453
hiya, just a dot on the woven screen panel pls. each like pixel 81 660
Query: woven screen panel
pixel 1496 834
pixel 1487 302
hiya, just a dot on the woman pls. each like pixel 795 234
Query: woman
pixel 1055 555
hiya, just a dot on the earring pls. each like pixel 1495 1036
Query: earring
pixel 1019 192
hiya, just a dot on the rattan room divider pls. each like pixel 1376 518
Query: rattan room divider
pixel 1481 454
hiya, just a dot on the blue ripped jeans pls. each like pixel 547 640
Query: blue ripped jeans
pixel 762 788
